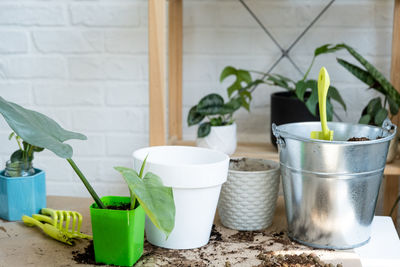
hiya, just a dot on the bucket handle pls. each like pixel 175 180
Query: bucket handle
pixel 279 139
pixel 389 126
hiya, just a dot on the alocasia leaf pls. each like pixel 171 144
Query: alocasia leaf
pixel 38 129
pixel 156 199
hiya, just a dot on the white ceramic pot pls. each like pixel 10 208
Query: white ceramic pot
pixel 248 198
pixel 221 138
pixel 195 175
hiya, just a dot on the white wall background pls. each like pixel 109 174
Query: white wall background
pixel 84 63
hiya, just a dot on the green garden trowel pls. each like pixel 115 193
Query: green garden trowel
pixel 323 87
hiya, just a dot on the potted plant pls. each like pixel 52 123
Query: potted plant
pixel 40 131
pixel 377 109
pixel 248 198
pixel 299 102
pixel 118 230
pixel 218 131
pixel 22 187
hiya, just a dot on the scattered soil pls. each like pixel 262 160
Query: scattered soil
pixel 121 206
pixel 246 236
pixel 248 165
pixel 215 235
pixel 281 238
pixel 357 139
pixel 303 260
pixel 87 256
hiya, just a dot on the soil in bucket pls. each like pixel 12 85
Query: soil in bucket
pixel 248 165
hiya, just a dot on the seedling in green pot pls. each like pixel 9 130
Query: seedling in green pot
pixel 156 199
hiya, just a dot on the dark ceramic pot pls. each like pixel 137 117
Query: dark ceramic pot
pixel 286 108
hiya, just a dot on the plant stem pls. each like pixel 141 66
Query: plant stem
pixel 309 69
pixel 87 184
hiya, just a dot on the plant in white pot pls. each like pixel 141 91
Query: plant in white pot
pixel 218 131
pixel 124 227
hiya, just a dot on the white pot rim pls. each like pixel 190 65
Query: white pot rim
pixel 143 152
pixel 275 166
pixel 185 166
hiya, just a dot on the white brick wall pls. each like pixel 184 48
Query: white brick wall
pixel 84 63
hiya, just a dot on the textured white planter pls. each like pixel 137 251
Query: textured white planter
pixel 221 138
pixel 196 175
pixel 248 198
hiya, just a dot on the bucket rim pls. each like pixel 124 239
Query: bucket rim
pixel 279 133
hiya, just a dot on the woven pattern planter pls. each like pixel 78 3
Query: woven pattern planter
pixel 248 198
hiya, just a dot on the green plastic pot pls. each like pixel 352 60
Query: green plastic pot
pixel 118 235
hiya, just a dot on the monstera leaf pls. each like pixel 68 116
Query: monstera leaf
pixel 38 129
pixel 156 199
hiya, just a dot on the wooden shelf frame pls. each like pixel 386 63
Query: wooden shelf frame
pixel 157 74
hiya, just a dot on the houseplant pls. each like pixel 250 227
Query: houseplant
pixel 41 131
pixel 377 109
pixel 248 198
pixel 118 231
pixel 218 131
pixel 22 187
pixel 299 101
pixel 195 175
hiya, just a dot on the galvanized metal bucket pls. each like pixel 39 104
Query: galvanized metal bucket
pixel 331 187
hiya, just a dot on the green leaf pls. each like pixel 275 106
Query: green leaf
pixel 279 81
pixel 11 136
pixel 227 71
pixel 245 104
pixel 312 101
pixel 234 87
pixel 393 106
pixel 383 82
pixel 380 116
pixel 156 199
pixel 300 89
pixel 244 75
pixel 194 117
pixel 204 129
pixel 230 107
pixel 359 73
pixel 374 105
pixel 365 119
pixel 210 104
pixel 216 121
pixel 329 110
pixel 335 95
pixel 38 129
pixel 325 49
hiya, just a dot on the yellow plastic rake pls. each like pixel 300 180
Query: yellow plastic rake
pixel 56 224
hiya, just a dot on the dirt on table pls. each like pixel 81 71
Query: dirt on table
pixel 228 247
pixel 269 259
pixel 87 256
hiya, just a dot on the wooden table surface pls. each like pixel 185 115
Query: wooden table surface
pixel 21 245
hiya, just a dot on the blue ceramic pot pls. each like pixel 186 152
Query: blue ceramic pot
pixel 22 195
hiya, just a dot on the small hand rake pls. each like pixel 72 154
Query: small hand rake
pixel 55 223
